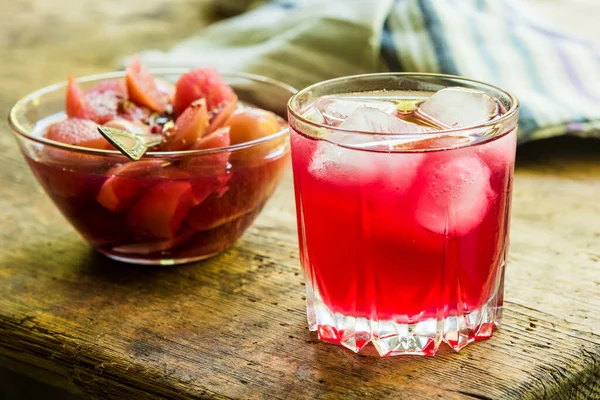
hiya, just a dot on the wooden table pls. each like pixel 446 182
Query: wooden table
pixel 235 327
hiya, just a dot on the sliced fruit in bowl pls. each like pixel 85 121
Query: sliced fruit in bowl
pixel 218 163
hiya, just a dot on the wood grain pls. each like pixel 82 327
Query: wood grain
pixel 235 326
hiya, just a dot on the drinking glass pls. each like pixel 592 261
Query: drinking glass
pixel 403 238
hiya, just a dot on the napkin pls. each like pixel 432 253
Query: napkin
pixel 504 42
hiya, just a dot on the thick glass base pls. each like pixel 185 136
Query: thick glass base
pixel 393 338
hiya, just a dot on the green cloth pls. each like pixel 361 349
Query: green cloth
pixel 555 77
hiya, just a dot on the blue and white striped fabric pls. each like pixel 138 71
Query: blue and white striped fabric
pixel 556 77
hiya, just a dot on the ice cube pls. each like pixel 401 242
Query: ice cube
pixel 458 108
pixel 393 173
pixel 332 162
pixel 336 110
pixel 369 119
pixel 314 115
pixel 455 196
pixel 431 142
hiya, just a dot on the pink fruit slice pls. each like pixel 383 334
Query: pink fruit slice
pixel 248 190
pixel 126 184
pixel 209 171
pixel 189 127
pixel 222 114
pixel 203 83
pixel 76 103
pixel 105 104
pixel 215 140
pixel 77 132
pixel 161 211
pixel 115 86
pixel 142 88
pixel 105 101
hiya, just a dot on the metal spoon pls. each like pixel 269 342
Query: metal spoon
pixel 133 145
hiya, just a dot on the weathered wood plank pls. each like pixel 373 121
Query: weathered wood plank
pixel 235 327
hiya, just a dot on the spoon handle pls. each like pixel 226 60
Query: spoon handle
pixel 133 145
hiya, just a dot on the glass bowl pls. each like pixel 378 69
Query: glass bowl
pixel 170 207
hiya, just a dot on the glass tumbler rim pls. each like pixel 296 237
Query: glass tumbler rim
pixel 509 115
pixel 18 128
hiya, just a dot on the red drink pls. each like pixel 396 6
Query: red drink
pixel 402 238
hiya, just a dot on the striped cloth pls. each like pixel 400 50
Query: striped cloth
pixel 556 77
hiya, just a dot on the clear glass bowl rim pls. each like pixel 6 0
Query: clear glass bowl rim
pixel 26 100
pixel 510 113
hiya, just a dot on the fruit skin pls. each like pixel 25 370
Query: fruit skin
pixel 189 127
pixel 142 89
pixel 202 83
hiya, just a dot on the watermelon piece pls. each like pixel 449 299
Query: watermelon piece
pixel 142 88
pixel 76 102
pixel 127 184
pixel 77 132
pixel 189 127
pixel 114 86
pixel 161 211
pixel 202 83
pixel 105 105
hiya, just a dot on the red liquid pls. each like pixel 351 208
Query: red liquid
pixel 403 236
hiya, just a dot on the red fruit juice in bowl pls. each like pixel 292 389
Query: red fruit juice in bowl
pixel 188 198
pixel 403 186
